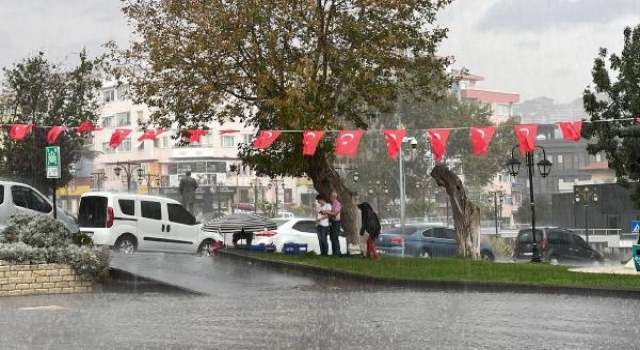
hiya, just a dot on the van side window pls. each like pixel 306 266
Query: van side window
pixel 180 215
pixel 151 210
pixel 1 194
pixel 127 206
pixel 27 198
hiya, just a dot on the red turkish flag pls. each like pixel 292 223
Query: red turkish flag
pixel 118 136
pixel 53 134
pixel 87 126
pixel 480 139
pixel 227 131
pixel 347 142
pixel 196 135
pixel 526 134
pixel 310 141
pixel 394 141
pixel 571 130
pixel 438 139
pixel 266 138
pixel 20 131
pixel 151 134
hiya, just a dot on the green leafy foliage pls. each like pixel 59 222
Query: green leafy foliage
pixel 615 95
pixel 39 92
pixel 82 239
pixel 41 231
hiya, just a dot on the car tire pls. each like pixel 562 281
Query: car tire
pixel 425 254
pixel 487 256
pixel 205 247
pixel 553 260
pixel 126 244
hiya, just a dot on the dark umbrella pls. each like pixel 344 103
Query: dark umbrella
pixel 230 224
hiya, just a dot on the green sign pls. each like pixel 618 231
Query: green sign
pixel 53 162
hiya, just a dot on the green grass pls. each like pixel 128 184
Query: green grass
pixel 459 269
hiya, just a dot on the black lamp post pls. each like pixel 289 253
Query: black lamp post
pixel 497 208
pixel 586 197
pixel 544 166
pixel 97 179
pixel 148 177
pixel 256 185
pixel 274 184
pixel 128 169
pixel 378 188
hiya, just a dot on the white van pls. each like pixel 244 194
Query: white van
pixel 130 222
pixel 19 198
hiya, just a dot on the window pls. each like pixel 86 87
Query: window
pixel 1 194
pixel 165 142
pixel 503 110
pixel 140 116
pixel 127 206
pixel 598 157
pixel 106 148
pixel 247 139
pixel 123 118
pixel 108 96
pixel 151 210
pixel 560 160
pixel 27 198
pixel 125 145
pixel 228 141
pixel 178 214
pixel 305 226
pixel 107 121
pixel 579 242
pixel 123 92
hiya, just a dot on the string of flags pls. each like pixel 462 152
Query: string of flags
pixel 347 141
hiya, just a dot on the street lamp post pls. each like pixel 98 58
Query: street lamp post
pixel 148 177
pixel 586 197
pixel 274 184
pixel 128 168
pixel 97 178
pixel 377 187
pixel 497 203
pixel 256 185
pixel 544 166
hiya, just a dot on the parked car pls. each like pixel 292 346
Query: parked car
pixel 425 241
pixel 556 246
pixel 130 222
pixel 19 198
pixel 296 230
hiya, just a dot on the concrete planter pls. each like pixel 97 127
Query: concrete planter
pixel 41 279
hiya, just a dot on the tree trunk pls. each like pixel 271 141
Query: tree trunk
pixel 466 215
pixel 326 179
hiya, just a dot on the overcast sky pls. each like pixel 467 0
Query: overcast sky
pixel 533 47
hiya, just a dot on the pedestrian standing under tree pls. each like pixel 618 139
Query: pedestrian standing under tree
pixel 322 224
pixel 334 219
pixel 187 187
pixel 371 224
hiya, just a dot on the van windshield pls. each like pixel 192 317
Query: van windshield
pixel 93 212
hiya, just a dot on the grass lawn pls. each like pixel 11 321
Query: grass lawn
pixel 458 269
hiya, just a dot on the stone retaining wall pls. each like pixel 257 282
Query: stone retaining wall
pixel 41 279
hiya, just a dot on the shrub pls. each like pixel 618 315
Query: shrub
pixel 501 247
pixel 37 239
pixel 36 230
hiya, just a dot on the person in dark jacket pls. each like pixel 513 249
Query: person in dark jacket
pixel 371 224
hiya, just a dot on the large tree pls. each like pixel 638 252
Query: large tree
pixel 615 95
pixel 39 92
pixel 284 64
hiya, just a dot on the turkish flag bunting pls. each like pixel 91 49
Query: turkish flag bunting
pixel 638 119
pixel 266 138
pixel 118 136
pixel 20 131
pixel 438 139
pixel 196 135
pixel 480 139
pixel 53 134
pixel 394 141
pixel 571 130
pixel 347 142
pixel 151 134
pixel 87 126
pixel 228 131
pixel 526 134
pixel 310 141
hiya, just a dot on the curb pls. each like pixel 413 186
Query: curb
pixel 121 281
pixel 486 287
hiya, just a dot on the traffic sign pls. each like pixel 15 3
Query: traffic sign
pixel 635 227
pixel 53 162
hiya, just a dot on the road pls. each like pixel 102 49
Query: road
pixel 250 307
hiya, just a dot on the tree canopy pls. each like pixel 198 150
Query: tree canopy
pixel 284 64
pixel 39 92
pixel 615 95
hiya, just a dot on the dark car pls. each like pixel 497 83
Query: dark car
pixel 425 241
pixel 556 246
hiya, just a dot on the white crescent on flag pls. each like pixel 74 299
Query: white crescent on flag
pixel 349 135
pixel 311 135
pixel 524 130
pixel 268 134
pixel 436 135
pixel 481 132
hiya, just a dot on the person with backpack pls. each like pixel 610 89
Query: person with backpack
pixel 371 224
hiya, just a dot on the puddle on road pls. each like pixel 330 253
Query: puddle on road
pixel 43 308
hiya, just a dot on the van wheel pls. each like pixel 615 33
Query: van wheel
pixel 425 254
pixel 486 256
pixel 205 248
pixel 126 244
pixel 554 260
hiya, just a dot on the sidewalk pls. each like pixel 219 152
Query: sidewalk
pixel 628 269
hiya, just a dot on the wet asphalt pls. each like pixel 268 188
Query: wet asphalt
pixel 251 307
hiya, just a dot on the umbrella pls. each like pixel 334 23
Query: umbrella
pixel 229 224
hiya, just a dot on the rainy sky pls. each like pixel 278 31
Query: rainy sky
pixel 534 47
